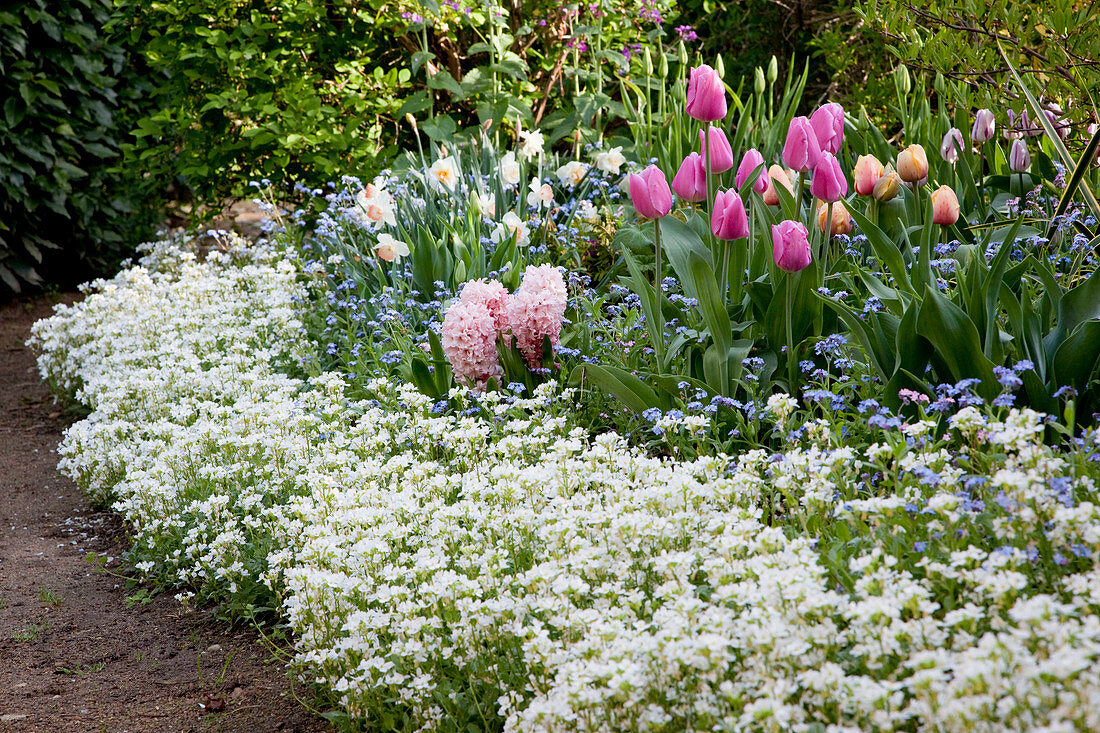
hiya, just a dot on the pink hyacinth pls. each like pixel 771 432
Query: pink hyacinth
pixel 536 310
pixel 489 293
pixel 469 342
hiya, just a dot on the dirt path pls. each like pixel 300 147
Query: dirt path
pixel 78 650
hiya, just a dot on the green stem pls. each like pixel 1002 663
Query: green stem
pixel 798 194
pixel 791 364
pixel 828 241
pixel 658 346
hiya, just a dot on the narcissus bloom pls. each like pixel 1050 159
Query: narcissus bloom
pixel 390 248
pixel 610 161
pixel 444 173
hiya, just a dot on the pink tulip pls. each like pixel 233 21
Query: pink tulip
pixel 985 126
pixel 945 206
pixel 866 174
pixel 952 145
pixel 650 194
pixel 706 95
pixel 829 183
pixel 828 124
pixel 728 219
pixel 749 163
pixel 690 182
pixel 801 150
pixel 721 155
pixel 790 246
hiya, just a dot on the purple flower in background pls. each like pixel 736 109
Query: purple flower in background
pixel 686 33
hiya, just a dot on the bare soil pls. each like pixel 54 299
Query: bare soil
pixel 80 650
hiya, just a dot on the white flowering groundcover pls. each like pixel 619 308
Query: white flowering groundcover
pixel 507 570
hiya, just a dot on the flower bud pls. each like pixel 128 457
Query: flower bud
pixel 828 124
pixel 728 219
pixel 829 183
pixel 866 174
pixel 952 145
pixel 776 175
pixel 706 95
pixel 790 246
pixel 1019 159
pixel 945 206
pixel 650 194
pixel 721 155
pixel 749 163
pixel 801 149
pixel 773 69
pixel 887 186
pixel 759 85
pixel 985 127
pixel 901 79
pixel 841 221
pixel 690 182
pixel 913 164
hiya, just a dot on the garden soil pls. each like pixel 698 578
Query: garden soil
pixel 81 649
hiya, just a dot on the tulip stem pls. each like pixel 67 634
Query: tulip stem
pixel 790 336
pixel 828 241
pixel 659 332
pixel 798 194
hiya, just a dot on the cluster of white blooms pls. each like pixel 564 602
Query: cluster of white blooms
pixel 445 570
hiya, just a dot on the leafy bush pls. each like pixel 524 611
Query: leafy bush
pixel 66 90
pixel 307 91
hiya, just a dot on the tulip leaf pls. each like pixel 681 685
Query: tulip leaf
pixel 680 241
pixel 991 291
pixel 871 346
pixel 1076 178
pixel 955 340
pixel 885 249
pixel 1078 357
pixel 650 297
pixel 1075 307
pixel 619 383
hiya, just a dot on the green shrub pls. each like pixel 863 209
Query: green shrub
pixel 65 211
pixel 303 90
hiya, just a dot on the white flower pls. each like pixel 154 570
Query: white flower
pixel 540 194
pixel 532 143
pixel 376 205
pixel 509 169
pixel 444 173
pixel 610 161
pixel 782 406
pixel 587 212
pixel 390 249
pixel 486 205
pixel 572 173
pixel 511 225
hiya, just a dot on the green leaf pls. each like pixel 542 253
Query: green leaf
pixel 619 383
pixel 1075 307
pixel 955 340
pixel 885 250
pixel 1077 360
